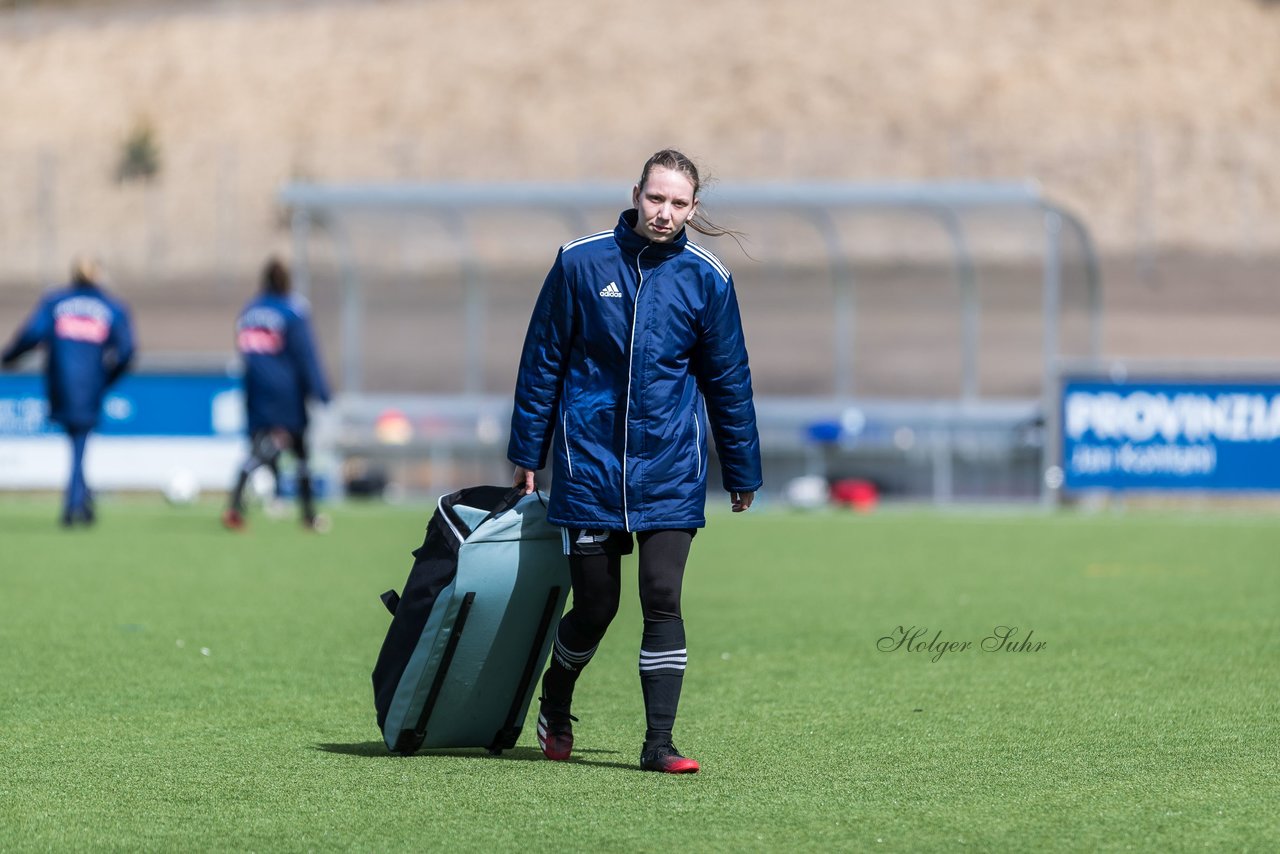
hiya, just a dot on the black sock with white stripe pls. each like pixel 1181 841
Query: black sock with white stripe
pixel 662 661
pixel 571 652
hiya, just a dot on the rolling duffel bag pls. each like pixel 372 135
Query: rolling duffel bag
pixel 473 628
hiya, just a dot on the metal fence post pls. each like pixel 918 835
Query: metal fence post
pixel 1050 472
pixel 352 333
pixel 970 322
pixel 844 317
pixel 300 224
pixel 476 308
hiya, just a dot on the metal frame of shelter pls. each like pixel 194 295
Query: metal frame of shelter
pixel 815 203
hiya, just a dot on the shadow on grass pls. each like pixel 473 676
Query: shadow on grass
pixel 378 750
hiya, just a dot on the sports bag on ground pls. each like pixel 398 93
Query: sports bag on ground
pixel 473 627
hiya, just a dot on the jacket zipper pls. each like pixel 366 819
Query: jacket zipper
pixel 564 431
pixel 697 439
pixel 626 422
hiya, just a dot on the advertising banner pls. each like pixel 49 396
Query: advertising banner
pixel 155 429
pixel 1170 434
pixel 139 405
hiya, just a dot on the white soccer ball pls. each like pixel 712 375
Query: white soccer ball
pixel 807 493
pixel 262 484
pixel 182 488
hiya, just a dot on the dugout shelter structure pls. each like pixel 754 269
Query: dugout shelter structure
pixel 425 274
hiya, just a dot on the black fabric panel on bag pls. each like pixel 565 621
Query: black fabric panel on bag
pixel 435 566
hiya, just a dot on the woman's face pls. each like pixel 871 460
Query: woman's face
pixel 665 202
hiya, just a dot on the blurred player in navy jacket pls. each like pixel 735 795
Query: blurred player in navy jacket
pixel 88 345
pixel 282 373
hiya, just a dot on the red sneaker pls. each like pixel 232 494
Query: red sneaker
pixel 555 732
pixel 232 519
pixel 665 758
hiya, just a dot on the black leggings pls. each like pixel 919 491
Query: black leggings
pixel 265 448
pixel 597 581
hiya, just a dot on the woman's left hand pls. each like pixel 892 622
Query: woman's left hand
pixel 741 500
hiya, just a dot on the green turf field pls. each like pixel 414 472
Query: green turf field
pixel 168 686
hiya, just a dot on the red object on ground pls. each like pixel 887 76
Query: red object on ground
pixel 858 494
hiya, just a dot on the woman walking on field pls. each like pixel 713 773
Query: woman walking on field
pixel 635 349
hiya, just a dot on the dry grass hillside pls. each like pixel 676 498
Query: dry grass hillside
pixel 1168 105
pixel 1157 120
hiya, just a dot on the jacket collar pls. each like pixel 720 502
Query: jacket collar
pixel 632 243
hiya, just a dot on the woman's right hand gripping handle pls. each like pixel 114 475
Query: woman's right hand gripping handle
pixel 524 479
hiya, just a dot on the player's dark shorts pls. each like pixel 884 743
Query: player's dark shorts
pixel 584 541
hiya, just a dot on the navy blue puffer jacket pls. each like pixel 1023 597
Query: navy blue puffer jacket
pixel 88 341
pixel 282 368
pixel 627 341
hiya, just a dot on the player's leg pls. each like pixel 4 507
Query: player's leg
pixel 264 450
pixel 273 466
pixel 595 567
pixel 87 512
pixel 663 654
pixel 306 493
pixel 75 504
